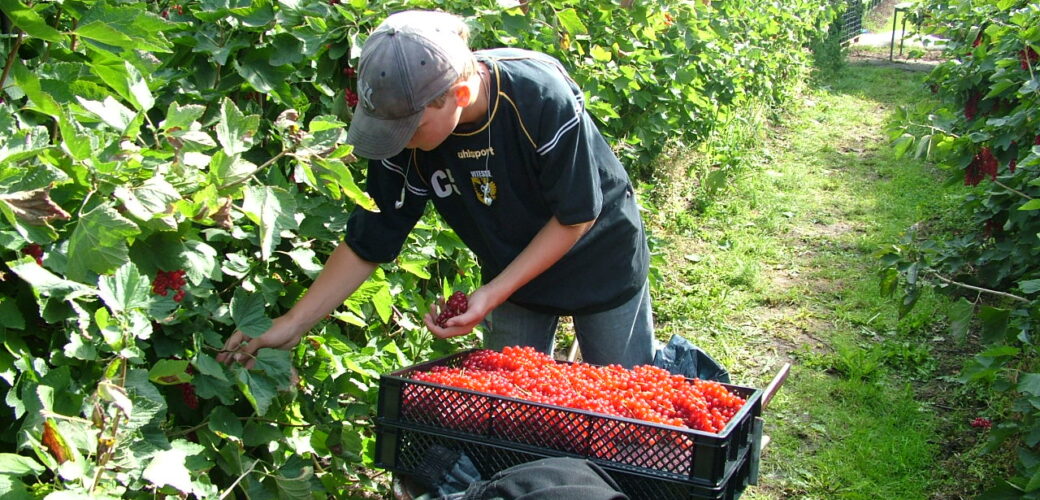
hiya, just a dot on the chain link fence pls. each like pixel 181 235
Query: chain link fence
pixel 850 24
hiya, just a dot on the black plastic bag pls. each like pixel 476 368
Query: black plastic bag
pixel 683 358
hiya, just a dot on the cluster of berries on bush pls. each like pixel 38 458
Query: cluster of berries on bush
pixel 179 9
pixel 169 280
pixel 644 393
pixel 34 250
pixel 971 107
pixel 349 96
pixel 981 423
pixel 191 400
pixel 983 164
pixel 457 304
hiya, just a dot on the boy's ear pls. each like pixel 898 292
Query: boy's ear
pixel 464 93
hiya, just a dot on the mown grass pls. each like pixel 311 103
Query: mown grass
pixel 781 267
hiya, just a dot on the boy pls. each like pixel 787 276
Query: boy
pixel 500 142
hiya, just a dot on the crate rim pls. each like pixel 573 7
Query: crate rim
pixel 754 395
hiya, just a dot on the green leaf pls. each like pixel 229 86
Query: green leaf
pixel 29 21
pixel 152 198
pixel 1033 204
pixel 45 283
pixel 1029 286
pixel 889 280
pixel 416 267
pixel 1000 352
pixel 994 324
pixel 15 180
pixel 255 67
pixel 247 310
pixel 10 315
pixel 111 111
pixel 384 302
pixel 200 261
pixel 15 489
pixel 181 117
pixel 307 262
pixel 225 424
pixel 272 209
pixel 336 173
pixel 18 465
pixel 74 138
pixel 208 387
pixel 235 131
pixel 225 171
pixel 169 372
pixel 126 289
pixel 600 54
pixel 26 143
pixel 1034 480
pixel 902 145
pixel 909 301
pixel 296 488
pixel 960 318
pixel 276 364
pixel 167 469
pixel 99 243
pixel 1029 383
pixel 287 50
pixel 116 395
pixel 571 22
pixel 140 95
pixel 259 389
pixel 129 26
pixel 1031 86
pixel 923 146
pixel 209 366
pixel 149 404
pixel 30 85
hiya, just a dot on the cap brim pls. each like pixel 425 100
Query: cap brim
pixel 376 138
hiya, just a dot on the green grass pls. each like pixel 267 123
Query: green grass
pixel 782 267
pixel 879 20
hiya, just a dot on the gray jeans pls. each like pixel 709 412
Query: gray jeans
pixel 623 335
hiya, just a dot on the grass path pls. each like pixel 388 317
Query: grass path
pixel 782 268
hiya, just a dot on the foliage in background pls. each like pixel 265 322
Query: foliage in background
pixel 171 172
pixel 983 128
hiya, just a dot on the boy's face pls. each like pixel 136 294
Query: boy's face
pixel 436 125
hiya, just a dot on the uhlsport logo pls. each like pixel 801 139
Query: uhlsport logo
pixel 466 154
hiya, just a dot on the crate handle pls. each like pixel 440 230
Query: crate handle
pixel 774 386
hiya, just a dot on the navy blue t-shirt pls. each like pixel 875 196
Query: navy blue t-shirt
pixel 498 182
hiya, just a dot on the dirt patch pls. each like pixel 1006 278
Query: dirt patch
pixel 872 60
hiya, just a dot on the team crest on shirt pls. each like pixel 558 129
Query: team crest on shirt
pixel 484 186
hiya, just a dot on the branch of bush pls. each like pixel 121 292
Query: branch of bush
pixel 1011 189
pixel 980 289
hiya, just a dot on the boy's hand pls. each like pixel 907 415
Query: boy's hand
pixel 464 323
pixel 242 349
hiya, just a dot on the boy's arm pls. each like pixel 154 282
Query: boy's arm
pixel 545 249
pixel 343 273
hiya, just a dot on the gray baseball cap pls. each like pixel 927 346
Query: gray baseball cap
pixel 410 59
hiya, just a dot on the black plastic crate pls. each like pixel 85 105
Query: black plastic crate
pixel 671 454
pixel 403 449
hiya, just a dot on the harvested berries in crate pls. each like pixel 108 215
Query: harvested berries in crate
pixel 642 420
